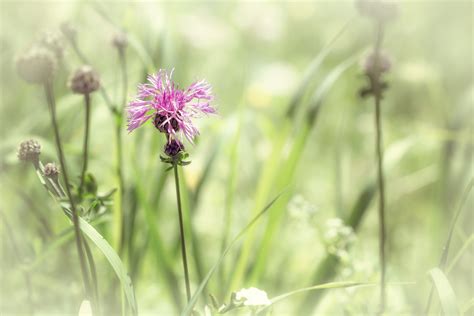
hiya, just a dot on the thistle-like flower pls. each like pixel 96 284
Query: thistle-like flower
pixel 171 108
pixel 29 150
pixel 84 81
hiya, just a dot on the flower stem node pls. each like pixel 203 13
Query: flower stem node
pixel 84 81
pixel 36 66
pixel 29 150
pixel 176 153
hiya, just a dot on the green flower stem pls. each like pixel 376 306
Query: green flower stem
pixel 85 150
pixel 181 231
pixel 380 175
pixel 119 152
pixel 75 218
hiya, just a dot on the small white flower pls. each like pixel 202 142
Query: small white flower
pixel 253 297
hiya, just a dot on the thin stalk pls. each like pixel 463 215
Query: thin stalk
pixel 85 149
pixel 181 231
pixel 75 218
pixel 93 270
pixel 380 174
pixel 119 155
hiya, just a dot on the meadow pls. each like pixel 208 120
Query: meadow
pixel 239 158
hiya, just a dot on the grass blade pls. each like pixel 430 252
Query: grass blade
pixel 446 294
pixel 114 262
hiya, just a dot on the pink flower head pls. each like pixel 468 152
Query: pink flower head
pixel 171 108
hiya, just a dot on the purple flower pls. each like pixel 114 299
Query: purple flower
pixel 171 108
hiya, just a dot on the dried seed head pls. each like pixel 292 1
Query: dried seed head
pixel 37 65
pixel 84 81
pixel 51 170
pixel 120 41
pixel 173 148
pixel 380 10
pixel 29 150
pixel 68 31
pixel 54 42
pixel 371 66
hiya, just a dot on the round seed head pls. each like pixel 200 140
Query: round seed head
pixel 371 66
pixel 37 65
pixel 84 81
pixel 380 10
pixel 29 150
pixel 51 170
pixel 173 148
pixel 120 41
pixel 68 31
pixel 54 42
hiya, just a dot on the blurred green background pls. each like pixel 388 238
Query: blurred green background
pixel 255 55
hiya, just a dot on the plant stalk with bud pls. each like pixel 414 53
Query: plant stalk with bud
pixel 171 111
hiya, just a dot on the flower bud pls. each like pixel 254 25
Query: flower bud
pixel 120 41
pixel 173 148
pixel 68 31
pixel 372 66
pixel 29 150
pixel 51 170
pixel 53 42
pixel 84 81
pixel 379 10
pixel 36 66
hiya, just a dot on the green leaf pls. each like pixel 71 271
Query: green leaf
pixel 189 307
pixel 445 291
pixel 114 261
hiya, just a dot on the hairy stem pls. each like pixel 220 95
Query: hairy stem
pixel 85 149
pixel 75 217
pixel 181 231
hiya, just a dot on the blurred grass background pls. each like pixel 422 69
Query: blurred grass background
pixel 254 54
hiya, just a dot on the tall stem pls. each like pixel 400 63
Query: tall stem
pixel 380 175
pixel 119 158
pixel 75 218
pixel 85 150
pixel 181 231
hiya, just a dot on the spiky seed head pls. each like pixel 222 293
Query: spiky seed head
pixel 54 42
pixel 85 80
pixel 173 147
pixel 51 170
pixel 37 65
pixel 29 150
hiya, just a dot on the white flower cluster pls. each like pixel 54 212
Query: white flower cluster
pixel 252 297
pixel 300 209
pixel 338 237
